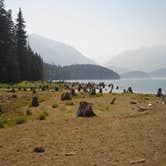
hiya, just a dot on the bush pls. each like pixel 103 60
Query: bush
pixel 43 115
pixel 14 96
pixel 2 122
pixel 20 120
pixel 28 112
pixel 55 106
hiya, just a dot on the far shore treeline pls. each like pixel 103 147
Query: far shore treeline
pixel 18 61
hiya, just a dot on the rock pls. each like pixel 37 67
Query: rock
pixel 39 150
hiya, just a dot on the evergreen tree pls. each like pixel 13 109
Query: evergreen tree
pixel 21 46
pixel 17 61
pixel 12 59
pixel 3 43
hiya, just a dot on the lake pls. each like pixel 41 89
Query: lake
pixel 149 85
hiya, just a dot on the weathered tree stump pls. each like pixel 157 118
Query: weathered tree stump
pixel 35 102
pixel 100 90
pixel 93 91
pixel 66 96
pixel 73 93
pixel 130 90
pixel 85 110
pixel 113 100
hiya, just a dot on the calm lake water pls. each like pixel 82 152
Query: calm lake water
pixel 149 85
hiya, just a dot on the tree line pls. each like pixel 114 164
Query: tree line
pixel 18 61
pixel 78 72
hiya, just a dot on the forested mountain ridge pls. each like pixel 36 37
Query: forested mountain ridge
pixel 78 72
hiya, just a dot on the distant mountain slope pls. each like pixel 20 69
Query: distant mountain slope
pixel 158 73
pixel 78 72
pixel 56 52
pixel 143 59
pixel 135 74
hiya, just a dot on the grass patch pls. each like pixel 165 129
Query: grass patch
pixel 43 115
pixel 3 121
pixel 55 105
pixel 28 112
pixel 70 103
pixel 20 120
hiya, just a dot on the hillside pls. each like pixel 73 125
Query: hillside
pixel 78 72
pixel 143 59
pixel 135 74
pixel 57 52
pixel 159 73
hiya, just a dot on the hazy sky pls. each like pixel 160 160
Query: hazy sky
pixel 98 28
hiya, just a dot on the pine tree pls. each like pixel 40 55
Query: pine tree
pixel 3 43
pixel 21 46
pixel 12 61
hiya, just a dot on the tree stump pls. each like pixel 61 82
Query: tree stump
pixel 113 100
pixel 85 110
pixel 66 96
pixel 35 102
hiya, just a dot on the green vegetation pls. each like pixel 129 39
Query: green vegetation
pixel 20 120
pixel 28 112
pixel 55 105
pixel 2 122
pixel 75 72
pixel 43 115
pixel 18 61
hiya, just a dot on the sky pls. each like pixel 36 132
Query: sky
pixel 100 29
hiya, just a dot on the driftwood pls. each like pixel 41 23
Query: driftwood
pixel 113 100
pixel 138 161
pixel 143 109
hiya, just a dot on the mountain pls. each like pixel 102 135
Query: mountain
pixel 57 52
pixel 78 72
pixel 158 73
pixel 135 74
pixel 143 59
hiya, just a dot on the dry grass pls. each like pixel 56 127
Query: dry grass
pixel 118 135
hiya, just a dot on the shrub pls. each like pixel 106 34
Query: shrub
pixel 2 122
pixel 28 112
pixel 43 115
pixel 20 120
pixel 14 96
pixel 55 106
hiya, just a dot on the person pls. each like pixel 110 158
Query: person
pixel 160 93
